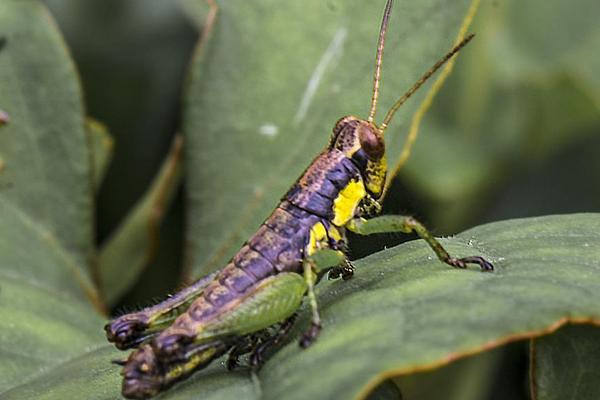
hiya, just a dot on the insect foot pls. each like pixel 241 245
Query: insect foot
pixel 125 332
pixel 345 271
pixel 310 335
pixel 462 262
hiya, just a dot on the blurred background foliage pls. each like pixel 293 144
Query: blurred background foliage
pixel 514 132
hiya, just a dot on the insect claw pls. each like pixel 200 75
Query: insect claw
pixel 485 265
pixel 482 262
pixel 347 270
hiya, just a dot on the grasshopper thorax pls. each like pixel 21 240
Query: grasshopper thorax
pixel 363 143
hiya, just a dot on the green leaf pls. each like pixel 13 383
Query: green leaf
pixel 402 312
pixel 535 50
pixel 386 391
pixel 88 375
pixel 195 11
pixel 469 378
pixel 520 95
pixel 134 243
pixel 566 364
pixel 45 199
pixel 45 202
pixel 102 145
pixel 266 90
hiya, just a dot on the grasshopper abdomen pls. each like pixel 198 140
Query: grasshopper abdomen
pixel 279 245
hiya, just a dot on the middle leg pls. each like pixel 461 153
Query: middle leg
pixel 310 277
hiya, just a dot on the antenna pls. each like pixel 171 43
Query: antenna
pixel 378 58
pixel 421 81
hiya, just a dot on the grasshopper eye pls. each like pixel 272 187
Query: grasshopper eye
pixel 371 142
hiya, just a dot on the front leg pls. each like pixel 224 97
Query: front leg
pixel 399 223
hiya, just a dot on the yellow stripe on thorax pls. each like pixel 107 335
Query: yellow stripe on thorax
pixel 345 204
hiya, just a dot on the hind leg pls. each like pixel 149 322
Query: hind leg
pixel 130 330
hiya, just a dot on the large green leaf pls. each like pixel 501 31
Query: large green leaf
pixel 402 312
pixel 521 94
pixel 267 89
pixel 46 197
pixel 46 236
pixel 566 364
pixel 470 378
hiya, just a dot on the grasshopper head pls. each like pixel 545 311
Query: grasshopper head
pixel 363 142
pixel 142 374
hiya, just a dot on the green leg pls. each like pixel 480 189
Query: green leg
pixel 399 223
pixel 267 303
pixel 310 277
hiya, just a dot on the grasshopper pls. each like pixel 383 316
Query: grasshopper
pixel 250 304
